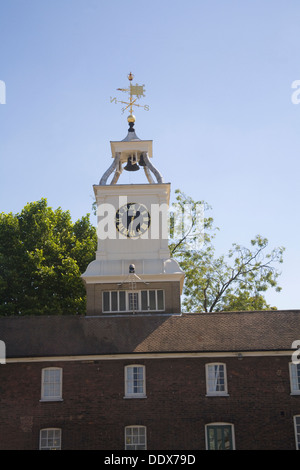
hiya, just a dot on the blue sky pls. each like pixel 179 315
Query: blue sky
pixel 218 78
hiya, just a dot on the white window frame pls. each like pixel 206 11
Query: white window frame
pixel 210 387
pixel 135 445
pixel 129 382
pixel 216 425
pixel 44 395
pixel 297 431
pixel 294 378
pixel 135 305
pixel 127 303
pixel 47 438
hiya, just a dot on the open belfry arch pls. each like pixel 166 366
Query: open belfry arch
pixel 133 271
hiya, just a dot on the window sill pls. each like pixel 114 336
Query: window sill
pixel 50 400
pixel 217 395
pixel 127 312
pixel 295 393
pixel 130 397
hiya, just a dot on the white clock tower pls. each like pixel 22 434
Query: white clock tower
pixel 133 272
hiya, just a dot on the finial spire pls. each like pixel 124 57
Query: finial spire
pixel 135 93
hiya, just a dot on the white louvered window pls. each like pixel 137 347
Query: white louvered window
pixel 151 300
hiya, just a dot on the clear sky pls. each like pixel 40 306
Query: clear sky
pixel 218 77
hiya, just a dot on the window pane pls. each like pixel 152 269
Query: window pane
pixel 211 438
pixel 144 296
pixel 129 380
pixel 135 380
pixel 138 380
pixel 135 438
pixel 226 441
pixel 114 301
pixel 152 300
pixel 219 437
pixel 43 442
pixel 295 376
pixel 160 300
pixel 122 303
pixel 50 439
pixel 106 306
pixel 220 383
pixel 297 430
pixel 57 375
pixel 216 378
pixel 133 301
pixel 136 301
pixel 51 383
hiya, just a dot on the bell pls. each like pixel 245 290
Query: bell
pixel 141 162
pixel 131 166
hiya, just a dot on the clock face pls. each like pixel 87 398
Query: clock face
pixel 132 220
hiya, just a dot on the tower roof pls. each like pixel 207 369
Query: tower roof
pixel 131 136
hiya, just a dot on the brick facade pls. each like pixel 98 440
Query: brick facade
pixel 94 412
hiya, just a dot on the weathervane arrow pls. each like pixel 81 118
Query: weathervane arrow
pixel 136 91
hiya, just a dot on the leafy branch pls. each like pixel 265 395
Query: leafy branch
pixel 232 282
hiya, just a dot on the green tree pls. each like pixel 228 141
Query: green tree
pixel 236 281
pixel 42 255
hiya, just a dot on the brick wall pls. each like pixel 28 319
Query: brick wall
pixel 94 413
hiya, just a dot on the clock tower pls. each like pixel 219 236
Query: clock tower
pixel 133 272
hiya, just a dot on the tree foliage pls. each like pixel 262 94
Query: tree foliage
pixel 42 255
pixel 235 281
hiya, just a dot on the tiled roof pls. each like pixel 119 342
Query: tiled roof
pixel 39 336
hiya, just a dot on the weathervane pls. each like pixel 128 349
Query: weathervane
pixel 136 91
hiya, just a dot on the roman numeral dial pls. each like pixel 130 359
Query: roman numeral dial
pixel 132 220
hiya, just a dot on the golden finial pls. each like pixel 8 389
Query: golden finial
pixel 136 91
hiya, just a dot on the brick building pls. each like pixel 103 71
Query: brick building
pixel 164 382
pixel 135 372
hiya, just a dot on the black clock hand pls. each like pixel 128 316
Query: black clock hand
pixel 130 220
